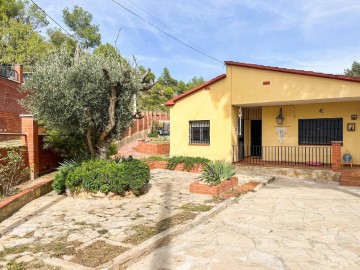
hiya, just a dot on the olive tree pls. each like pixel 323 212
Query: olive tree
pixel 90 97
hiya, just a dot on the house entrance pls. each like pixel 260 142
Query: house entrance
pixel 255 138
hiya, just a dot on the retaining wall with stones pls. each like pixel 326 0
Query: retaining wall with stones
pixel 10 205
pixel 317 175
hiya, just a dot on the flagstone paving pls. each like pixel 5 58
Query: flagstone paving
pixel 56 226
pixel 290 224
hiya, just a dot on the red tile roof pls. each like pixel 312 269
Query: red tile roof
pixel 172 101
pixel 295 71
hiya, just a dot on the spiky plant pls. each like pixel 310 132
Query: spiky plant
pixel 217 171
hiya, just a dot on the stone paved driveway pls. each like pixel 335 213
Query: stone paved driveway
pixel 59 232
pixel 290 224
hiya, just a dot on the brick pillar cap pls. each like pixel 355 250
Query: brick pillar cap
pixel 336 142
pixel 26 115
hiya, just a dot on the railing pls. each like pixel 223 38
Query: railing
pixel 11 140
pixel 9 73
pixel 313 156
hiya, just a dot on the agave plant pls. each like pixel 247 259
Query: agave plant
pixel 217 171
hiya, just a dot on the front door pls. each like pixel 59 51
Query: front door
pixel 255 149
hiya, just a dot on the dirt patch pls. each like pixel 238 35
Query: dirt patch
pixel 196 207
pixel 143 232
pixel 97 253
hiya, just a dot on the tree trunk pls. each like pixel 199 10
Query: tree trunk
pixel 102 143
pixel 90 142
pixel 102 151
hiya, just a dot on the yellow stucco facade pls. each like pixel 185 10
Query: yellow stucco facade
pixel 301 95
pixel 208 104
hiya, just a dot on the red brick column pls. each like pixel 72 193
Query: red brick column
pixel 30 128
pixel 336 156
pixel 19 69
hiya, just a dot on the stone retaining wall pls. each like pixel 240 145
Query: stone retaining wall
pixel 15 202
pixel 317 175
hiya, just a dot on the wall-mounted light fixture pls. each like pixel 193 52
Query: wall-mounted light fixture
pixel 280 117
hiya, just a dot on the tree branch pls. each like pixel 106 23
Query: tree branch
pixel 148 84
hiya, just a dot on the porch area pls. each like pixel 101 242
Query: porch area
pixel 289 136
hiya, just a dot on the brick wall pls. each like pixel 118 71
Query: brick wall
pixel 9 106
pixel 152 148
pixel 9 123
pixel 48 160
pixel 336 156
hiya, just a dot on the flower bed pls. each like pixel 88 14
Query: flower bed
pixel 202 188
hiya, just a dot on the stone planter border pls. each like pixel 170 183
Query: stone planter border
pixel 200 188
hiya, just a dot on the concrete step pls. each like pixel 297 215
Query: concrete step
pixel 350 178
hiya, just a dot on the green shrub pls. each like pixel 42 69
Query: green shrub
pixel 153 135
pixel 124 159
pixel 64 169
pixel 155 158
pixel 109 176
pixel 216 171
pixel 188 162
pixel 12 171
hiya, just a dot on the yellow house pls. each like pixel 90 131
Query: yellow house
pixel 263 114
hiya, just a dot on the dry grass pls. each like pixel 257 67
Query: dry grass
pixel 143 232
pixel 97 254
pixel 196 207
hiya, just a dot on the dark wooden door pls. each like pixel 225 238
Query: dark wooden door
pixel 256 138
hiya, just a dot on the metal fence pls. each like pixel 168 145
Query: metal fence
pixel 313 156
pixel 9 73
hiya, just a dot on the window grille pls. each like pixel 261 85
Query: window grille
pixel 199 132
pixel 320 131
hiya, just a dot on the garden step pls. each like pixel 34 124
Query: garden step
pixel 350 178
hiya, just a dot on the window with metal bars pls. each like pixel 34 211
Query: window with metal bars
pixel 199 132
pixel 320 131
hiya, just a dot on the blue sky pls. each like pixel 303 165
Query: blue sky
pixel 316 35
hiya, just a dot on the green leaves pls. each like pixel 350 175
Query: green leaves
pixel 73 98
pixel 354 71
pixel 12 171
pixel 188 162
pixel 79 21
pixel 103 175
pixel 217 171
pixel 165 88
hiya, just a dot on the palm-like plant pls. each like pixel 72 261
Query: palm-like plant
pixel 217 171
